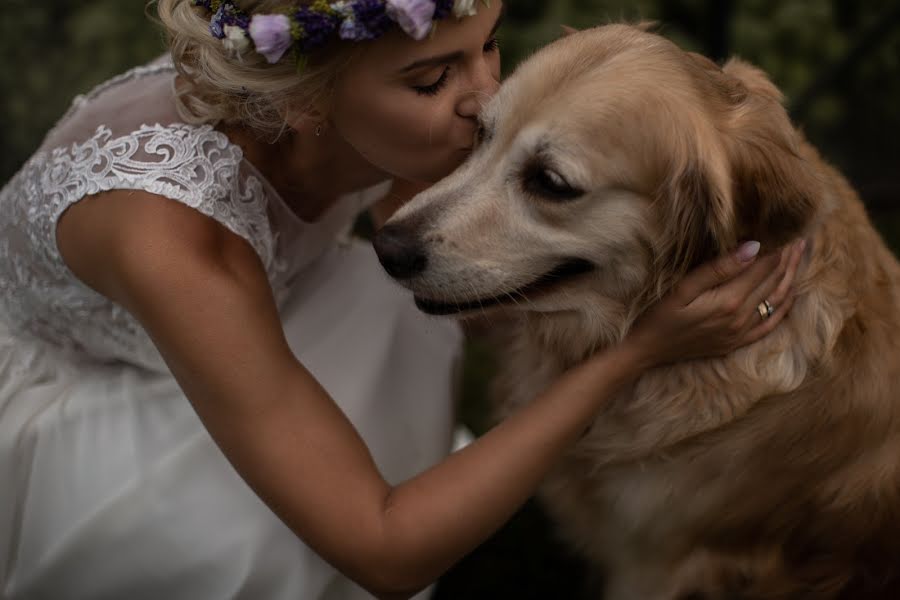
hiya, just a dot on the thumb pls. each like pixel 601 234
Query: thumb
pixel 719 271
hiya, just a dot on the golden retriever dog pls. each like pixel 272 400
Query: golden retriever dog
pixel 610 164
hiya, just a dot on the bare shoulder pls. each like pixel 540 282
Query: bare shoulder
pixel 123 240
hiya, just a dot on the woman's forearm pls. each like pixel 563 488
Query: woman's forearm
pixel 294 446
pixel 434 519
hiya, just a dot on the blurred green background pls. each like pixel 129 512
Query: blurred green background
pixel 838 62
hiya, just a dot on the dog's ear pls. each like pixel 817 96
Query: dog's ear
pixel 697 221
pixel 775 187
pixel 753 79
pixel 567 31
pixel 647 26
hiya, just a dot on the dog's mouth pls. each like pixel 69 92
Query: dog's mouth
pixel 566 271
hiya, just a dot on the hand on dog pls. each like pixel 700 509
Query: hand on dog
pixel 714 310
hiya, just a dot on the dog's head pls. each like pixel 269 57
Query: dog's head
pixel 607 166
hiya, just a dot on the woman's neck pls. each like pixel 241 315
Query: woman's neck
pixel 309 172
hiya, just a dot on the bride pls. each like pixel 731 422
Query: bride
pixel 207 388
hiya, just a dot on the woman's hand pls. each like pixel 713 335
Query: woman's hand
pixel 716 308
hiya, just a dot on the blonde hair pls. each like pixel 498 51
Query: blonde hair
pixel 221 87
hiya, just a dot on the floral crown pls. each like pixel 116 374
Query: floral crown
pixel 310 26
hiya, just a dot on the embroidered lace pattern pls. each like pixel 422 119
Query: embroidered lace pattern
pixel 197 166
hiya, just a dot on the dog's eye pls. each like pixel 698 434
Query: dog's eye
pixel 547 183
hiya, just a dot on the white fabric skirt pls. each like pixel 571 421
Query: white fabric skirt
pixel 111 488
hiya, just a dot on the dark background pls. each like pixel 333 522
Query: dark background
pixel 838 61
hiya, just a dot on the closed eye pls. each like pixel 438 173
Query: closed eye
pixel 434 88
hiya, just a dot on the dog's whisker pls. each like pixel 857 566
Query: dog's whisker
pixel 480 301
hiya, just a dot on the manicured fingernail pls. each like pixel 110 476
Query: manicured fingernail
pixel 803 244
pixel 748 251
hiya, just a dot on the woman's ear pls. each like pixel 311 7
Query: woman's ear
pixel 305 120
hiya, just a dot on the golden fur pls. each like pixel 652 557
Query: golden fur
pixel 772 473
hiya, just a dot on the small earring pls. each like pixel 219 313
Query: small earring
pixel 318 130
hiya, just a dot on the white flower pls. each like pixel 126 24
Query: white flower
pixel 413 16
pixel 464 8
pixel 236 40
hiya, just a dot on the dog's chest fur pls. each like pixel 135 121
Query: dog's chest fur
pixel 686 480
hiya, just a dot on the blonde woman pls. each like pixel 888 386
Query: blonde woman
pixel 208 390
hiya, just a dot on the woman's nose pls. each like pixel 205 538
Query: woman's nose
pixel 483 86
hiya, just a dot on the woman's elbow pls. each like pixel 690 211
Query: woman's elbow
pixel 390 563
pixel 391 576
pixel 381 595
pixel 392 586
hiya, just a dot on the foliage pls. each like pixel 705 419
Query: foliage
pixel 55 50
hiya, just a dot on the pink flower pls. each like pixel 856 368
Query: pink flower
pixel 414 16
pixel 271 35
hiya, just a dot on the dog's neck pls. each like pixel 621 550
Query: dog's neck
pixel 569 338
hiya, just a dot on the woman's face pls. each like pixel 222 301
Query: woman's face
pixel 409 108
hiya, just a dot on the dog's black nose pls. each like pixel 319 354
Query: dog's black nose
pixel 400 251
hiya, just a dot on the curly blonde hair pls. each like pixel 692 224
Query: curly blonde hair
pixel 221 87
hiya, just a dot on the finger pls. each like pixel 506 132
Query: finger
pixel 778 286
pixel 742 288
pixel 717 272
pixel 767 289
pixel 729 300
pixel 769 325
pixel 787 283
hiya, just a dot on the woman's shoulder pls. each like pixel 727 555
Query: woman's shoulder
pixel 194 166
pixel 123 233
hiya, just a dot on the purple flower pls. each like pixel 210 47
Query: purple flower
pixel 227 14
pixel 317 27
pixel 271 35
pixel 364 20
pixel 442 9
pixel 414 16
pixel 354 31
pixel 216 24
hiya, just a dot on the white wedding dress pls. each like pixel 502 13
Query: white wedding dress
pixel 110 488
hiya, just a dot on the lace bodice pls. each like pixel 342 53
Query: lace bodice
pixel 195 165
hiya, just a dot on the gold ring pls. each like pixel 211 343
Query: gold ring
pixel 765 309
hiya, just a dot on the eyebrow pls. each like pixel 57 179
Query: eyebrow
pixel 450 56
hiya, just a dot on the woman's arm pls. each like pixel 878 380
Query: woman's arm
pixel 202 294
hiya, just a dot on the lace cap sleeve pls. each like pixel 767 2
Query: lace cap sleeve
pixel 197 166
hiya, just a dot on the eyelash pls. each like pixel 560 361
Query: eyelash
pixel 432 90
